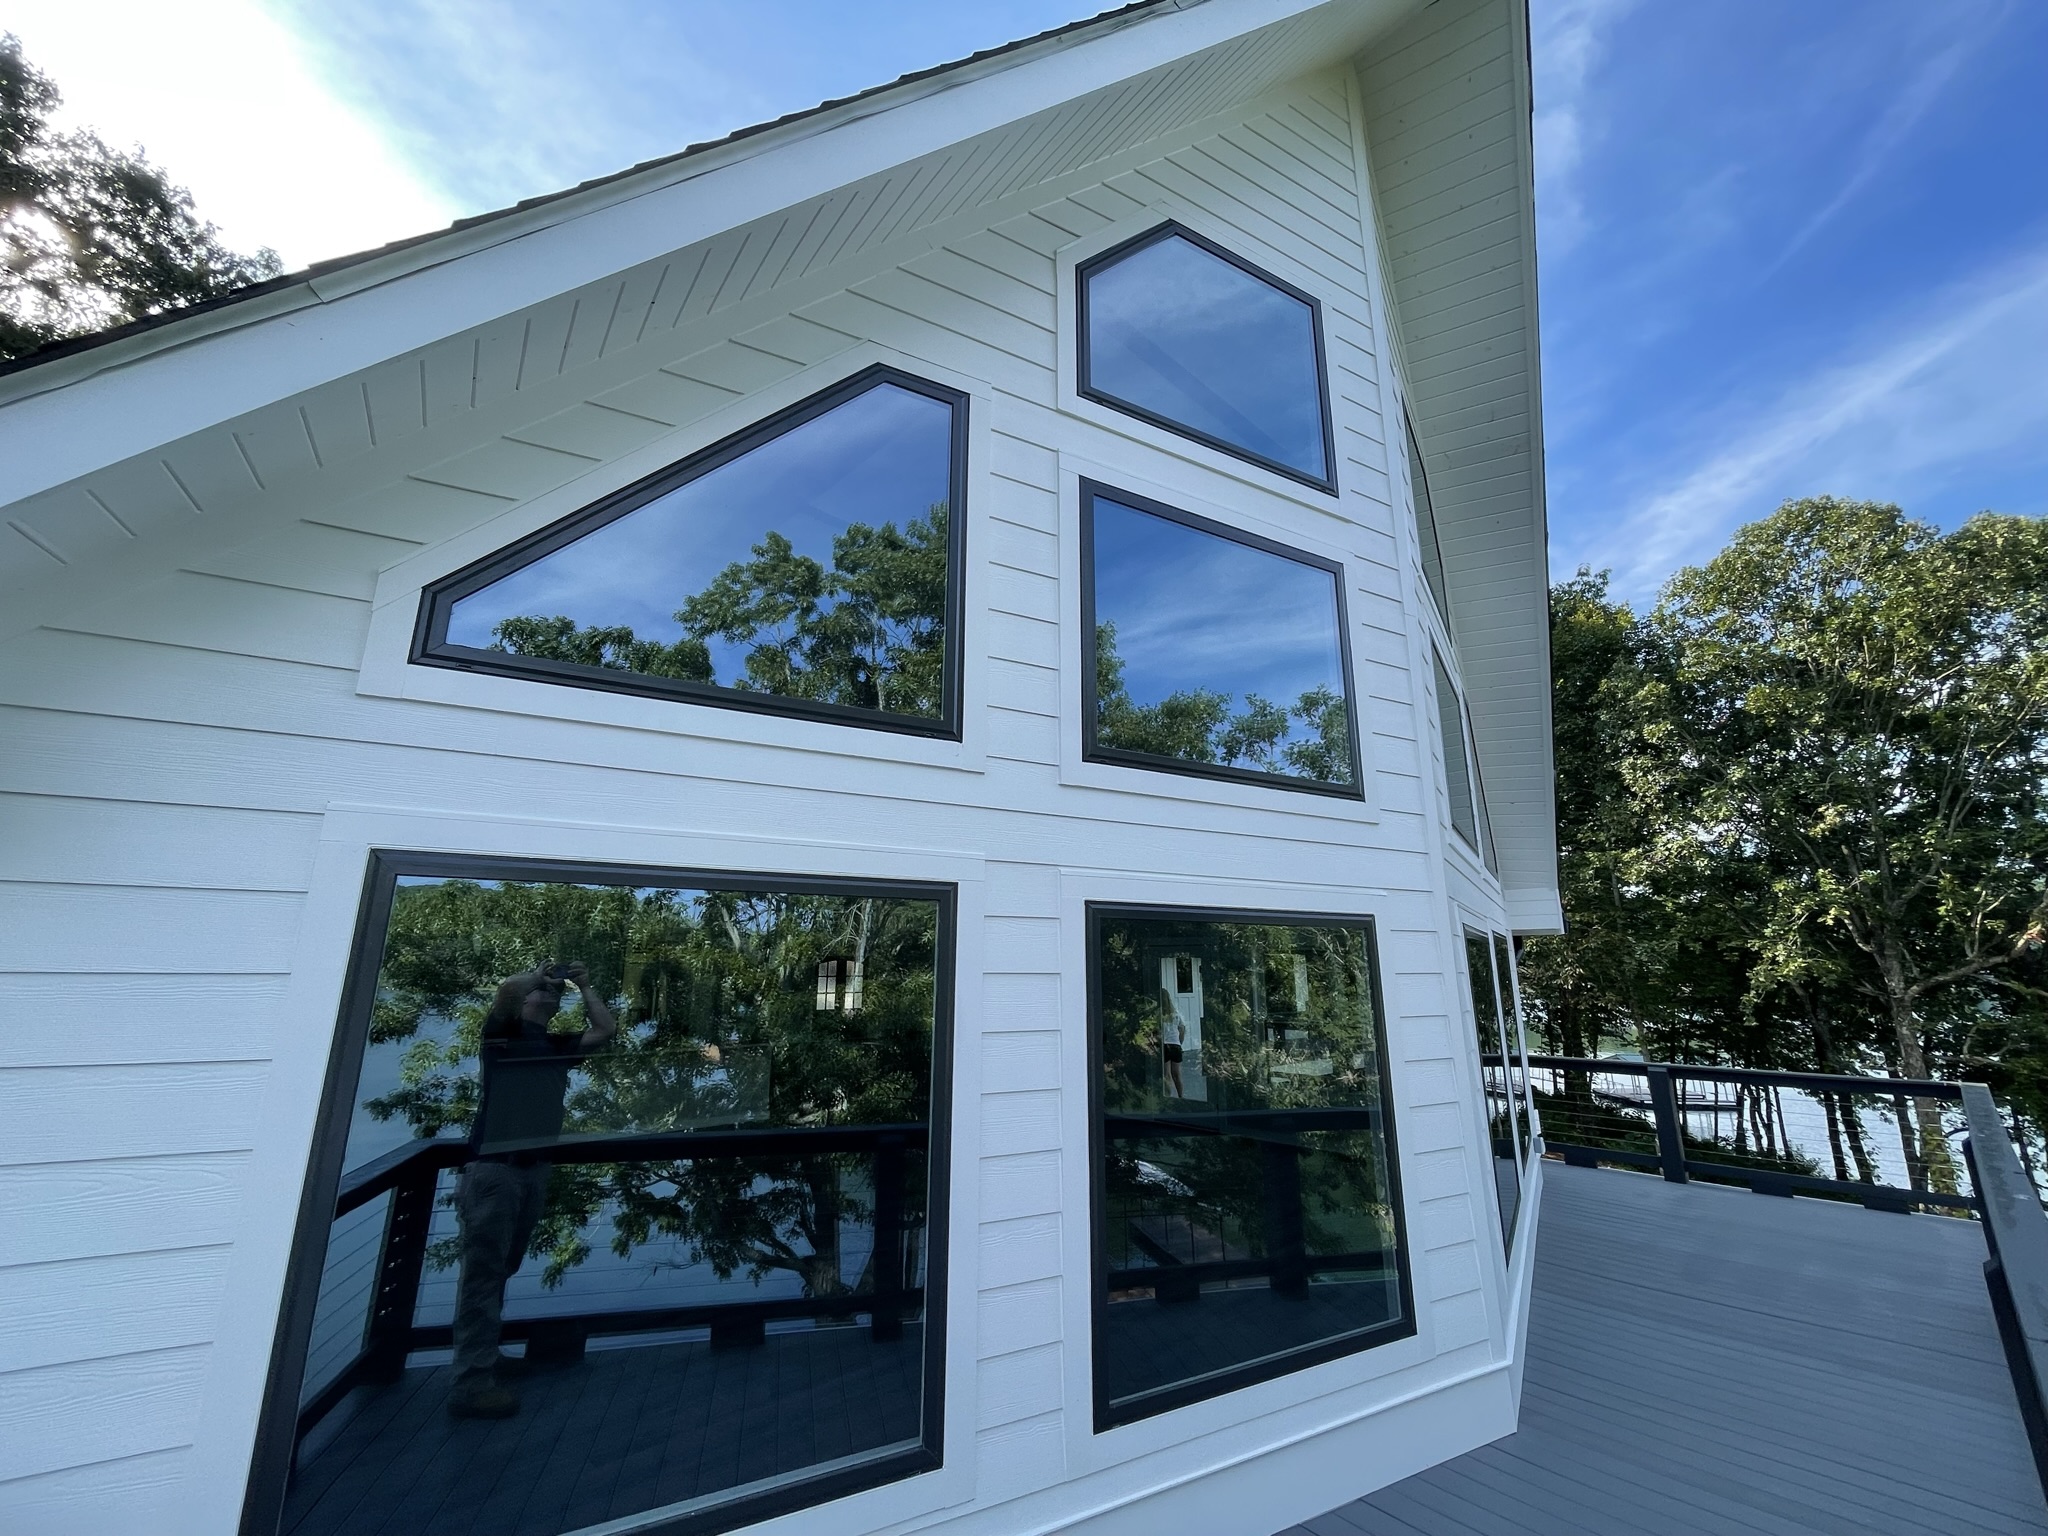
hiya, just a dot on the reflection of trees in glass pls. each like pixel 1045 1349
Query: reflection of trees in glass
pixel 1196 725
pixel 870 632
pixel 686 971
pixel 1321 1056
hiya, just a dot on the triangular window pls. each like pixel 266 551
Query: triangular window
pixel 809 565
pixel 1178 331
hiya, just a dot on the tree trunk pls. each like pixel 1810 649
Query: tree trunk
pixel 1834 1114
pixel 1938 1167
pixel 1909 1144
pixel 1866 1165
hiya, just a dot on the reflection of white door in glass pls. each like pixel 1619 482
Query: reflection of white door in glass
pixel 1180 1029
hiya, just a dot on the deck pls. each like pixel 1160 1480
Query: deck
pixel 1704 1361
pixel 624 1431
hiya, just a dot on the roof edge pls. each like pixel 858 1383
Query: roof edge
pixel 322 281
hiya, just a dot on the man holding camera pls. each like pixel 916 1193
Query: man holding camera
pixel 523 1081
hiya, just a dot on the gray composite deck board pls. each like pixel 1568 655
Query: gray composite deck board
pixel 1703 1361
pixel 629 1429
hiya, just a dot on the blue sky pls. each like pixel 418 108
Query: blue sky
pixel 1784 248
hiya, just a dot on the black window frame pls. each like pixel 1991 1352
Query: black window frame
pixel 1510 1221
pixel 1108 1416
pixel 1430 545
pixel 277 1430
pixel 1084 385
pixel 432 648
pixel 1094 752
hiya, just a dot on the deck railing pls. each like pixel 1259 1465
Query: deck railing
pixel 1729 1125
pixel 2016 1273
pixel 411 1175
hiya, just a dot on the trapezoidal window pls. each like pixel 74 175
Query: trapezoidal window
pixel 1181 333
pixel 1216 652
pixel 1247 1206
pixel 612 1220
pixel 809 565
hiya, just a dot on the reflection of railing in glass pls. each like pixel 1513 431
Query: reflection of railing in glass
pixel 1249 1213
pixel 634 1138
pixel 411 1174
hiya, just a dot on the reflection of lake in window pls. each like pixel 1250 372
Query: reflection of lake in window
pixel 1252 1224
pixel 734 1168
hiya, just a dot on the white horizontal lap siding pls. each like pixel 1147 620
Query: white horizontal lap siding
pixel 174 742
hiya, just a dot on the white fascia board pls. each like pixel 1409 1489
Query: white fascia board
pixel 80 414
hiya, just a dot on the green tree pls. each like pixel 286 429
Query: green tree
pixel 1858 704
pixel 90 236
pixel 717 991
pixel 1197 725
pixel 869 632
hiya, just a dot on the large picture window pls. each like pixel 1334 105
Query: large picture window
pixel 809 566
pixel 1216 652
pixel 1180 332
pixel 627 1206
pixel 1247 1210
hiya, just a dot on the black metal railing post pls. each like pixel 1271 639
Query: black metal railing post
pixel 399 1262
pixel 2016 1273
pixel 887 1316
pixel 1670 1129
pixel 1286 1230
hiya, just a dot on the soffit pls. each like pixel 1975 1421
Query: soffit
pixel 1447 106
pixel 413 408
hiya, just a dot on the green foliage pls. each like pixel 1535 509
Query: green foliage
pixel 92 237
pixel 1257 1052
pixel 717 995
pixel 1803 804
pixel 870 632
pixel 1196 725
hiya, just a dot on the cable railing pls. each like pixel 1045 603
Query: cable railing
pixel 1890 1143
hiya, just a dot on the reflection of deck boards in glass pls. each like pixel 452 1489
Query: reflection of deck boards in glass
pixel 1154 1344
pixel 626 1430
pixel 1707 1362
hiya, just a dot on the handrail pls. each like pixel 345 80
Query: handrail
pixel 364 1184
pixel 2016 1274
pixel 1814 1082
pixel 1678 1163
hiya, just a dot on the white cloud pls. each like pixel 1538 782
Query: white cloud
pixel 1959 388
pixel 1567 40
pixel 1904 108
pixel 223 97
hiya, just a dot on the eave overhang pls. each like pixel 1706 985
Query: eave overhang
pixel 1448 112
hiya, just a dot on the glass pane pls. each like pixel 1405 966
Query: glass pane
pixel 813 567
pixel 1213 651
pixel 1450 719
pixel 1511 1018
pixel 1425 527
pixel 1503 1126
pixel 1183 334
pixel 634 1207
pixel 1248 1209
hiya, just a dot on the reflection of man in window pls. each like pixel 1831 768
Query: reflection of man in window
pixel 524 1079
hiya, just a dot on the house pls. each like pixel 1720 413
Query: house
pixel 825 834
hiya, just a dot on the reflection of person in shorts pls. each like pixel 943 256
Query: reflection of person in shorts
pixel 1173 1037
pixel 522 1083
